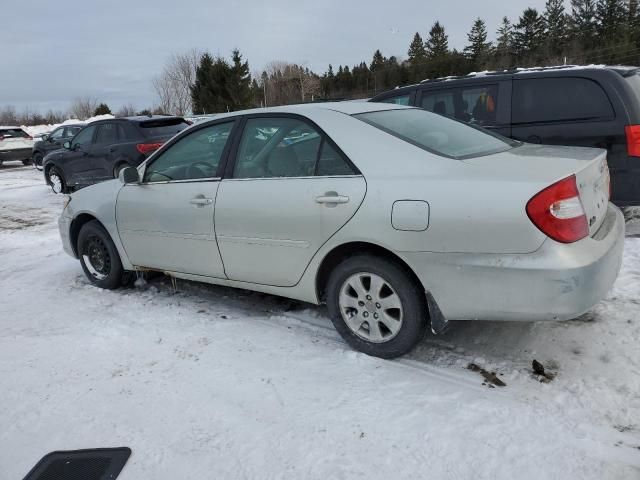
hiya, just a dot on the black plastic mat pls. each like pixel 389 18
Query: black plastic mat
pixel 90 464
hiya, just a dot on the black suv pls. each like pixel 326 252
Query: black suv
pixel 53 141
pixel 101 149
pixel 582 106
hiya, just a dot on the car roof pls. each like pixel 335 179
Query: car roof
pixel 349 108
pixel 146 118
pixel 7 127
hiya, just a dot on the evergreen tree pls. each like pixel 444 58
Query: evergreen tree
pixel 437 44
pixel 478 48
pixel 504 44
pixel 102 109
pixel 555 25
pixel 417 58
pixel 528 35
pixel 583 23
pixel 209 92
pixel 239 83
pixel 610 16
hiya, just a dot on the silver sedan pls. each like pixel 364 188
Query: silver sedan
pixel 397 218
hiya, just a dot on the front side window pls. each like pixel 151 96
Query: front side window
pixel 286 147
pixel 443 136
pixel 559 99
pixel 84 137
pixel 400 100
pixel 57 134
pixel 477 104
pixel 69 132
pixel 193 157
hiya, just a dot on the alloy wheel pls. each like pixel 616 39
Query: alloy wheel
pixel 56 182
pixel 370 307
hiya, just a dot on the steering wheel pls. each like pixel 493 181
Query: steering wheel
pixel 194 170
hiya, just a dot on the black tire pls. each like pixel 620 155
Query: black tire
pixel 52 172
pixel 26 161
pixel 99 257
pixel 37 160
pixel 414 313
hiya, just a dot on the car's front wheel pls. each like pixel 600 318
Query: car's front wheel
pixel 55 179
pixel 26 161
pixel 99 257
pixel 376 306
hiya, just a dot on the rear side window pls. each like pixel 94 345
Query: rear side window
pixel 13 133
pixel 473 104
pixel 399 100
pixel 162 128
pixel 436 134
pixel 559 99
pixel 107 134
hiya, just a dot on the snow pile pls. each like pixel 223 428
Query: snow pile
pixel 212 382
pixel 38 130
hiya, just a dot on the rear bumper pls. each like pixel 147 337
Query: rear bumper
pixel 557 282
pixel 15 154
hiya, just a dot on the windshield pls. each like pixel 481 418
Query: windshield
pixel 437 134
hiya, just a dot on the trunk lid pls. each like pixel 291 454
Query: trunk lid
pixel 549 164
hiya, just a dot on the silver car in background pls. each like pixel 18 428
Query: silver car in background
pixel 397 218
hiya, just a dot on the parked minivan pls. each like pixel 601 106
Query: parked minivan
pixel 592 106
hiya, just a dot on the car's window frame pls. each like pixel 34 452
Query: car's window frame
pixel 324 137
pixel 184 134
pixel 599 85
pixel 61 129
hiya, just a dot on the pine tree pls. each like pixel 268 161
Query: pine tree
pixel 528 36
pixel 478 48
pixel 610 16
pixel 555 25
pixel 437 44
pixel 378 61
pixel 239 83
pixel 417 58
pixel 210 92
pixel 102 109
pixel 583 23
pixel 504 44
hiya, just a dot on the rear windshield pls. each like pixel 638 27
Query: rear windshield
pixel 161 128
pixel 437 134
pixel 13 133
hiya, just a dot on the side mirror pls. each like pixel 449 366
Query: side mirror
pixel 67 145
pixel 45 137
pixel 129 175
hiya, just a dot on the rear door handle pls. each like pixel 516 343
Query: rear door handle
pixel 332 199
pixel 201 201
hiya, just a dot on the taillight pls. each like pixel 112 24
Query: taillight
pixel 1 137
pixel 558 212
pixel 146 148
pixel 632 133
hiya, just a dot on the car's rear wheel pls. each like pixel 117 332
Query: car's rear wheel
pixel 99 257
pixel 55 179
pixel 376 306
pixel 37 160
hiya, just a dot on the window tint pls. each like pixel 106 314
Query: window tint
pixel 57 133
pixel 159 128
pixel 331 162
pixel 401 100
pixel 107 134
pixel 478 104
pixel 437 134
pixel 84 137
pixel 286 147
pixel 195 156
pixel 557 99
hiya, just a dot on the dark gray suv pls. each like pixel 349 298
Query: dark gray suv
pixel 53 141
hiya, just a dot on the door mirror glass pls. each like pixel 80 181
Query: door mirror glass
pixel 129 175
pixel 45 137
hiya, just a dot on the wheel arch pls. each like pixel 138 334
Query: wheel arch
pixel 77 224
pixel 339 253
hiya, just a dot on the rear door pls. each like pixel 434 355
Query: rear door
pixel 288 191
pixel 484 104
pixel 103 152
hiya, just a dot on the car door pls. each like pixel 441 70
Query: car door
pixel 165 222
pixel 287 191
pixel 101 154
pixel 74 161
pixel 55 140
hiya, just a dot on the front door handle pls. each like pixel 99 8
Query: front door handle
pixel 332 198
pixel 201 201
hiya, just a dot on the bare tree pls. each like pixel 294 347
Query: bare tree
pixel 83 107
pixel 173 84
pixel 126 111
pixel 8 115
pixel 286 83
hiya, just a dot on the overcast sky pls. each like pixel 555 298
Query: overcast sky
pixel 53 51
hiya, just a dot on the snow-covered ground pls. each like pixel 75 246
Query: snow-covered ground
pixel 210 382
